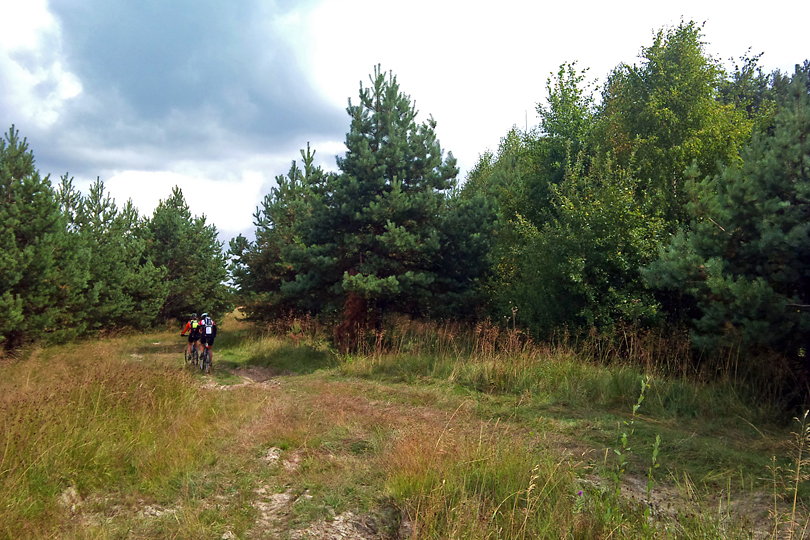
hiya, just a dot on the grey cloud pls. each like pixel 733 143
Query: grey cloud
pixel 181 80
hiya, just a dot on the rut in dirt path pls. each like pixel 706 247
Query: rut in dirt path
pixel 261 376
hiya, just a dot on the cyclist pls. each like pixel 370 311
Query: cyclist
pixel 192 328
pixel 208 331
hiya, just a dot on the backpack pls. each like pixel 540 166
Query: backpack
pixel 208 324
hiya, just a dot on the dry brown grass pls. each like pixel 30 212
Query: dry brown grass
pixel 343 434
pixel 96 418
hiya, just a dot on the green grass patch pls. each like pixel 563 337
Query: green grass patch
pixel 567 381
pixel 278 354
pixel 490 487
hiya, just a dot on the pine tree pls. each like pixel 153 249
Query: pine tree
pixel 466 227
pixel 124 288
pixel 378 229
pixel 265 270
pixel 386 234
pixel 188 248
pixel 42 270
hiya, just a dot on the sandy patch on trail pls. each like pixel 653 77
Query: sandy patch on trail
pixel 273 457
pixel 274 510
pixel 97 510
pixel 261 376
pixel 255 373
pixel 668 503
pixel 344 526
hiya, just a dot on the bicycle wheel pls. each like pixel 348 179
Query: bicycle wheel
pixel 206 363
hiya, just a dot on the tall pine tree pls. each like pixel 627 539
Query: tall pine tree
pixel 379 224
pixel 191 253
pixel 42 271
pixel 264 271
pixel 124 287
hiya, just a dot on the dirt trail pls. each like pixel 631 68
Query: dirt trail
pixel 274 511
pixel 273 507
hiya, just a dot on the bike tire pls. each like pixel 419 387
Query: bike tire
pixel 205 365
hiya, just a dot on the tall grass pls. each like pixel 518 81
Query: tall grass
pixel 590 372
pixel 93 422
pixel 585 370
pixel 495 486
pixel 589 366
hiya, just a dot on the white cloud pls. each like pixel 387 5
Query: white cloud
pixel 229 205
pixel 481 67
pixel 23 23
pixel 226 190
pixel 36 80
pixel 478 68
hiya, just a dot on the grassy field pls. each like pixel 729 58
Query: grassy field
pixel 436 435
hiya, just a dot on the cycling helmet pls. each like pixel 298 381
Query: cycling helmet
pixel 204 315
pixel 193 315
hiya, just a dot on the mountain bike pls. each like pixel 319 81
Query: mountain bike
pixel 192 357
pixel 205 359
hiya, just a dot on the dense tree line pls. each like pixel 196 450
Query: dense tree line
pixel 76 263
pixel 675 194
pixel 677 197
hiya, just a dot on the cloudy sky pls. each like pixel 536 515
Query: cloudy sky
pixel 218 96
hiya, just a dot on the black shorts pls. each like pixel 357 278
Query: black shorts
pixel 207 340
pixel 194 336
